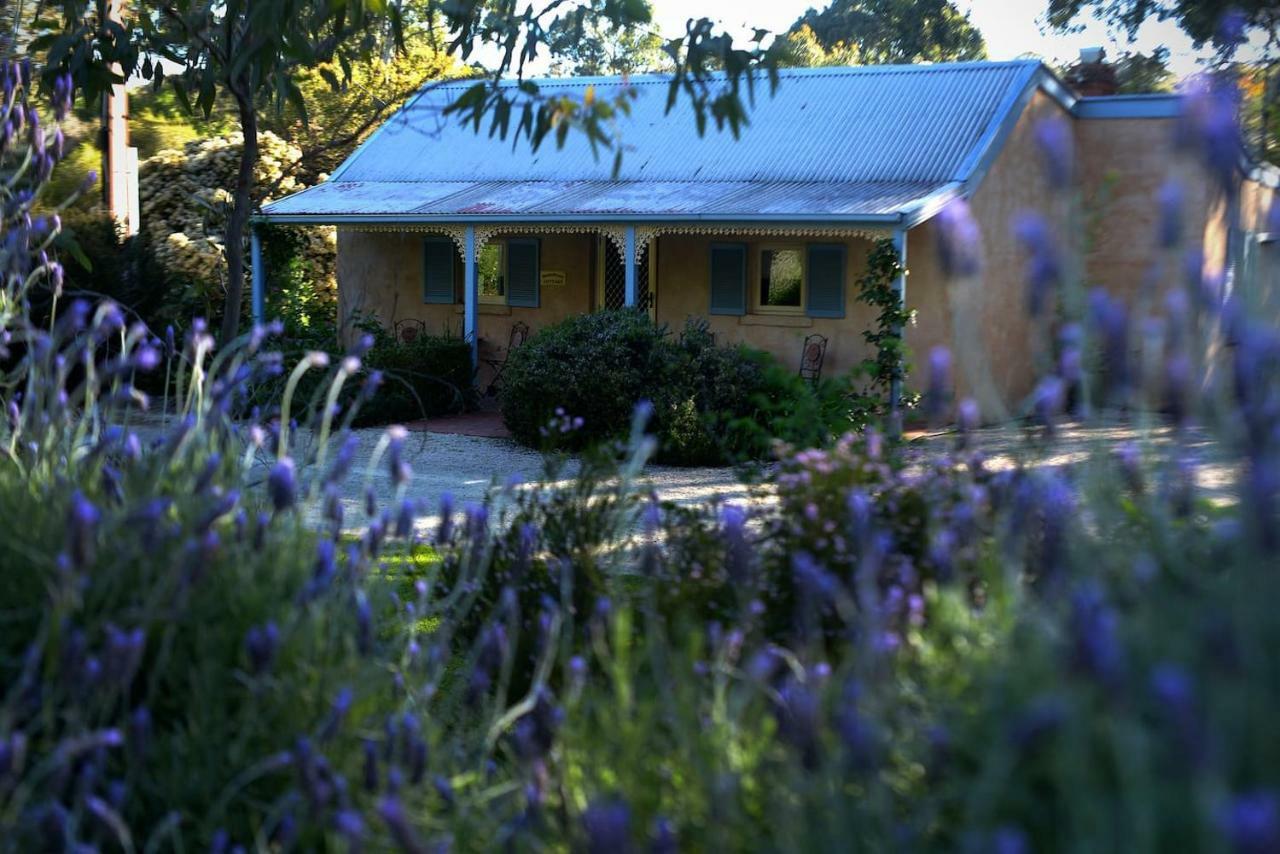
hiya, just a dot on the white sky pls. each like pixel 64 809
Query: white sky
pixel 1012 28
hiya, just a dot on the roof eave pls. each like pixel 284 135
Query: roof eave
pixel 890 219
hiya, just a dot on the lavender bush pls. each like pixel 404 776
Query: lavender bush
pixel 902 650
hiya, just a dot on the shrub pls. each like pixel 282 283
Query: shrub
pixel 423 378
pixel 428 376
pixel 593 366
pixel 99 263
pixel 712 404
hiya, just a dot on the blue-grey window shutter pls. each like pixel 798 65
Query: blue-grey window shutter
pixel 728 278
pixel 437 271
pixel 825 270
pixel 522 273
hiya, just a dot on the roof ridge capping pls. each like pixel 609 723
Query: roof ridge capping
pixel 761 75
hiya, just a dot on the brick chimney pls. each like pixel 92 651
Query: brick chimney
pixel 1092 75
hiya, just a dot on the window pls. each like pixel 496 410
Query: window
pixel 491 269
pixel 781 280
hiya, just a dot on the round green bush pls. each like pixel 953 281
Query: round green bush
pixel 596 367
pixel 712 404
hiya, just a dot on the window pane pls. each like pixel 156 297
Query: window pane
pixel 491 272
pixel 781 274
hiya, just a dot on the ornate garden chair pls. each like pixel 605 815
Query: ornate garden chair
pixel 498 361
pixel 408 329
pixel 812 357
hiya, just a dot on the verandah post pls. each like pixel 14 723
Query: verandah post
pixel 899 288
pixel 629 245
pixel 471 297
pixel 258 273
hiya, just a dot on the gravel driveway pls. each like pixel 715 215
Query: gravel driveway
pixel 468 466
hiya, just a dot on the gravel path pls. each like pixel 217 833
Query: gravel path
pixel 468 466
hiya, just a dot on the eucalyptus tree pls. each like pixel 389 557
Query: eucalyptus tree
pixel 250 51
pixel 892 31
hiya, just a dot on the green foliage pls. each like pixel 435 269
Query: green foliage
pixel 593 366
pixel 804 50
pixel 1199 19
pixel 305 303
pixel 187 202
pixel 712 404
pixel 1139 73
pixel 339 117
pixel 422 378
pixel 890 364
pixel 588 46
pixel 878 32
pixel 730 404
pixel 425 377
pixel 98 263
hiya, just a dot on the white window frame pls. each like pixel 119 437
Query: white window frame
pixel 495 299
pixel 757 305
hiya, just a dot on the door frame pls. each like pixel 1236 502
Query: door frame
pixel 601 252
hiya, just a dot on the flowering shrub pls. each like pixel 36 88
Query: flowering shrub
pixel 184 205
pixel 897 650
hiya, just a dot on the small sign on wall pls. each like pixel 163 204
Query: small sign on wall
pixel 553 279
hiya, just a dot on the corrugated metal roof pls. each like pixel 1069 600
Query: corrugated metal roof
pixel 841 141
pixel 523 199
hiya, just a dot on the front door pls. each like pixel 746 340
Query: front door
pixel 611 277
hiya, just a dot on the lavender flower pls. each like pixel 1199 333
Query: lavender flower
pixel 607 824
pixel 1043 270
pixel 282 485
pixel 364 624
pixel 959 243
pixel 1096 646
pixel 938 394
pixel 445 532
pixel 370 766
pixel 738 552
pixel 1209 125
pixel 397 822
pixel 798 713
pixel 123 654
pixel 337 713
pixel 1170 199
pixel 1251 822
pixel 82 524
pixel 404 518
pixel 1057 150
pixel 1231 32
pixel 396 464
pixel 348 824
pixel 261 644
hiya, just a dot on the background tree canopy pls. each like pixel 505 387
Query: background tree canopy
pixel 593 46
pixel 1200 19
pixel 877 32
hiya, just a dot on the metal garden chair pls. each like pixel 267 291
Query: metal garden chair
pixel 408 329
pixel 498 361
pixel 812 357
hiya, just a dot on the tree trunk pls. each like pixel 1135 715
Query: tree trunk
pixel 239 219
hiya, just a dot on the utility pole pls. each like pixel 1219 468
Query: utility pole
pixel 119 159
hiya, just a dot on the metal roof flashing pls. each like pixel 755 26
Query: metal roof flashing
pixel 1155 106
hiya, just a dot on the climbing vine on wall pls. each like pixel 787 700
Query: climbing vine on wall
pixel 890 362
